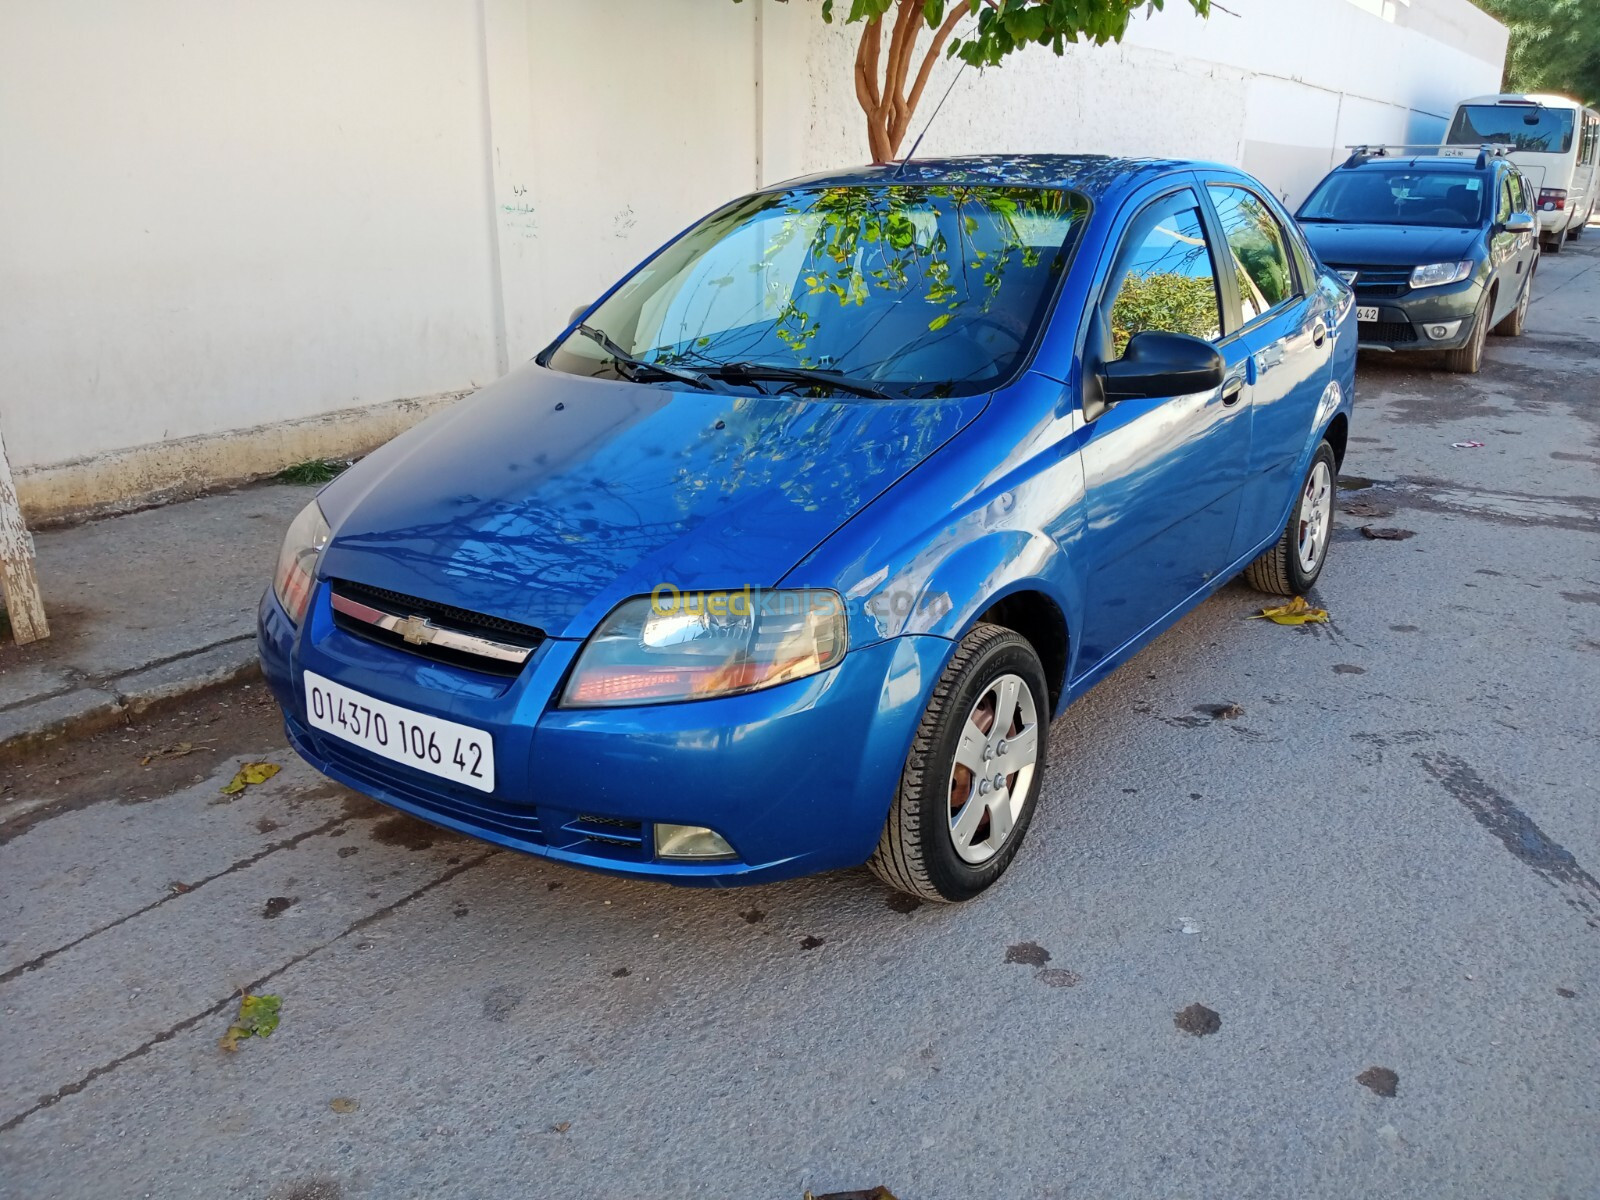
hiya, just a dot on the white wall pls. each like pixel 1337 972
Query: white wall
pixel 312 220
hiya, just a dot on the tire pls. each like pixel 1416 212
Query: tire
pixel 1283 570
pixel 1576 231
pixel 1517 320
pixel 1469 359
pixel 918 850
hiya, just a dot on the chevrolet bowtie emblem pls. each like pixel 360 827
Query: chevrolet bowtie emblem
pixel 418 631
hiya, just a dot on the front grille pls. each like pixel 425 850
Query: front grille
pixel 445 616
pixel 1379 283
pixel 1389 333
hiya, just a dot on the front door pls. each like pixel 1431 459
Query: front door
pixel 1162 476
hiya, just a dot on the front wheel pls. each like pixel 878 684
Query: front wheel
pixel 1517 320
pixel 971 781
pixel 1469 359
pixel 1292 565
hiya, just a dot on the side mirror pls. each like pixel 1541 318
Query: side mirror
pixel 1521 223
pixel 578 312
pixel 1157 365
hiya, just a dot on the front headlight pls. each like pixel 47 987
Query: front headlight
pixel 675 645
pixel 297 561
pixel 1439 274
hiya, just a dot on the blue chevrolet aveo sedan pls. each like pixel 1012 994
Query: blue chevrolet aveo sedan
pixel 783 555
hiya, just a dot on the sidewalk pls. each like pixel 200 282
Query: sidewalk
pixel 143 608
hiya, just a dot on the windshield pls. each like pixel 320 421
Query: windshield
pixel 918 290
pixel 1529 127
pixel 1401 195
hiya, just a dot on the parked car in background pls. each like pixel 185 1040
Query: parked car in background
pixel 1555 142
pixel 1440 250
pixel 783 555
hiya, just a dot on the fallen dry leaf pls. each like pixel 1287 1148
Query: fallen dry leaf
pixel 1296 612
pixel 258 1017
pixel 256 772
pixel 561 1127
pixel 1386 533
pixel 344 1104
pixel 878 1193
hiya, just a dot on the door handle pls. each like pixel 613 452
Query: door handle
pixel 1231 391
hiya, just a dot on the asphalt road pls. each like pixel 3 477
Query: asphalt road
pixel 1386 860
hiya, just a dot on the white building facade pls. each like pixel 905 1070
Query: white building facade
pixel 234 236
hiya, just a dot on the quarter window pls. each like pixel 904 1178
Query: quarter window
pixel 1167 282
pixel 1259 248
pixel 1503 214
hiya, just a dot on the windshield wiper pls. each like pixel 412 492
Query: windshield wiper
pixel 776 372
pixel 642 366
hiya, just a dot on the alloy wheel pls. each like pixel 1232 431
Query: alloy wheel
pixel 993 768
pixel 1316 517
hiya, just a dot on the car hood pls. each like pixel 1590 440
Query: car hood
pixel 547 498
pixel 1389 245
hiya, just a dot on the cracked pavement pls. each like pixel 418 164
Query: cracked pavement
pixel 1306 912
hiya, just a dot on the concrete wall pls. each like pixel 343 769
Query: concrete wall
pixel 233 236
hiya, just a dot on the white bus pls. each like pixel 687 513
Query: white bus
pixel 1555 142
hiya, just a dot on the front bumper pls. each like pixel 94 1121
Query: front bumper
pixel 1403 322
pixel 797 778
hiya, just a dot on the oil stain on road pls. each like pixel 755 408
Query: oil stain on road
pixel 1517 832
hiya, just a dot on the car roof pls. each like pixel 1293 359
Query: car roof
pixel 1093 175
pixel 1448 162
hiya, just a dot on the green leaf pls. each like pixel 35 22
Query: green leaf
pixel 258 1017
pixel 943 319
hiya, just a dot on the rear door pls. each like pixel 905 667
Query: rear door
pixel 1284 331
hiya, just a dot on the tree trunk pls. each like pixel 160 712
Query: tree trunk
pixel 881 80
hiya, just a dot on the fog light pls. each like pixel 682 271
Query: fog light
pixel 690 841
pixel 1443 329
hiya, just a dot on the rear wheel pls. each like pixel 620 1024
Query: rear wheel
pixel 972 778
pixel 1295 561
pixel 1468 359
pixel 1576 231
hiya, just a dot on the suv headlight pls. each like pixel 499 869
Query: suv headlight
pixel 675 645
pixel 297 561
pixel 1439 274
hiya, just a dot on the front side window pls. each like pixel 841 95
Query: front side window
pixel 1165 279
pixel 1259 248
pixel 1532 128
pixel 1398 195
pixel 917 290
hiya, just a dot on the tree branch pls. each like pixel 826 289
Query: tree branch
pixel 929 59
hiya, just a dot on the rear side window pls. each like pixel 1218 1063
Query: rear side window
pixel 1259 248
pixel 1165 277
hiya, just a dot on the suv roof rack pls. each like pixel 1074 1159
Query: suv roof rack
pixel 1367 151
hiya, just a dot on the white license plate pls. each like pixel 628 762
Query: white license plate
pixel 1366 314
pixel 439 747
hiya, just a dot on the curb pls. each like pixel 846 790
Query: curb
pixel 101 704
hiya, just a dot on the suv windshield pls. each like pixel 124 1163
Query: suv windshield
pixel 916 290
pixel 1528 127
pixel 1398 195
